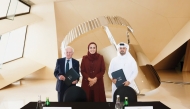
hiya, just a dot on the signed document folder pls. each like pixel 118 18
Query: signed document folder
pixel 71 76
pixel 119 75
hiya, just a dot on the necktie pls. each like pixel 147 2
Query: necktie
pixel 67 66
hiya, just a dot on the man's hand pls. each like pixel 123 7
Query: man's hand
pixel 126 83
pixel 61 77
pixel 75 82
pixel 114 80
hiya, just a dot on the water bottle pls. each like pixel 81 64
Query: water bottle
pixel 39 103
pixel 47 102
pixel 118 104
pixel 126 103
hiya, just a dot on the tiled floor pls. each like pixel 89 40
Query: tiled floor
pixel 175 96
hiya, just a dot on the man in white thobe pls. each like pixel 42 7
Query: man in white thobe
pixel 124 61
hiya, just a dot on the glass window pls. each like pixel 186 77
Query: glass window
pixel 12 9
pixel 20 8
pixel 4 4
pixel 12 45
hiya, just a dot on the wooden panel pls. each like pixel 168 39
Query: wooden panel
pixel 172 60
pixel 151 75
pixel 1 77
pixel 19 69
pixel 186 66
pixel 20 21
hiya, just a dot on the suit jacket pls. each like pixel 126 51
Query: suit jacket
pixel 60 70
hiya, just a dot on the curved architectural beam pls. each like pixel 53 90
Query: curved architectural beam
pixel 93 24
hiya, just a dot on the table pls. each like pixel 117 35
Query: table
pixel 97 105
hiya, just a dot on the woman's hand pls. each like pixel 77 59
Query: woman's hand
pixel 92 81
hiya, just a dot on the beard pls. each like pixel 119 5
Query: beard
pixel 122 52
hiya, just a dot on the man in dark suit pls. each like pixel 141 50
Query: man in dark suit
pixel 62 65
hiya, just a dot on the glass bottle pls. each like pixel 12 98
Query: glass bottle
pixel 47 101
pixel 39 103
pixel 126 103
pixel 118 104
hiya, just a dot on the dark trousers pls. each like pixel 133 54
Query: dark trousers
pixel 60 96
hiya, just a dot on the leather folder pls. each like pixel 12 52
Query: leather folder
pixel 119 75
pixel 71 76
